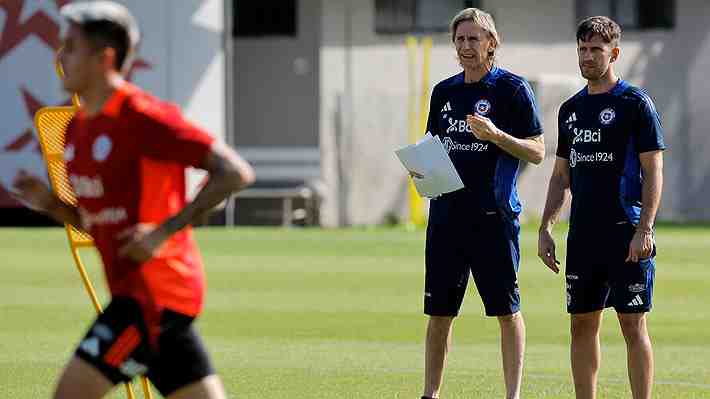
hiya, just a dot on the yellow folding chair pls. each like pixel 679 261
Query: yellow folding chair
pixel 51 124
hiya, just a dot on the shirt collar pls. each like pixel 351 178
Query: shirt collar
pixel 487 79
pixel 112 106
pixel 618 88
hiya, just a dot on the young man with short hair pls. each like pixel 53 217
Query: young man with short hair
pixel 609 157
pixel 126 154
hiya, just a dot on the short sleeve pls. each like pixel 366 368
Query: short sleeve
pixel 562 138
pixel 432 120
pixel 525 118
pixel 650 131
pixel 165 135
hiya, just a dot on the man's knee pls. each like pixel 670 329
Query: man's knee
pixel 633 326
pixel 585 324
pixel 440 325
pixel 510 320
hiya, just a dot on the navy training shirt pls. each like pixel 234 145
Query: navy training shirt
pixel 601 136
pixel 489 173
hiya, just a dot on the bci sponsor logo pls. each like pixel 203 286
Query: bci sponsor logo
pixel 587 136
pixel 456 125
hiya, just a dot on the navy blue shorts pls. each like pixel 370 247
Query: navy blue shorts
pixel 486 248
pixel 598 275
pixel 118 345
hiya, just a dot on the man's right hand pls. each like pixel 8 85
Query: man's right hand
pixel 33 192
pixel 546 250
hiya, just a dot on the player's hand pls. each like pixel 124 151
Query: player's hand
pixel 546 250
pixel 142 242
pixel 483 128
pixel 641 246
pixel 32 191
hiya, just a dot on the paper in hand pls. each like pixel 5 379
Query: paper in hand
pixel 429 158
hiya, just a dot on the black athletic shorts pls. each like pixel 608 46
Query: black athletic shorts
pixel 119 345
pixel 598 275
pixel 486 248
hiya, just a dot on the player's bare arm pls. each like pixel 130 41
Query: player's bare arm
pixel 228 173
pixel 39 197
pixel 557 194
pixel 652 166
pixel 529 149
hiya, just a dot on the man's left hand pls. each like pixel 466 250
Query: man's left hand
pixel 482 128
pixel 641 246
pixel 142 242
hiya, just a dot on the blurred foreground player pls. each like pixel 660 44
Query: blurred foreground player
pixel 126 154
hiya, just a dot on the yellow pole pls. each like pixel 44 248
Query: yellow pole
pixel 417 126
pixel 424 104
pixel 416 204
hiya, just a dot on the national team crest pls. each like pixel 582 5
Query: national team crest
pixel 482 107
pixel 102 148
pixel 607 116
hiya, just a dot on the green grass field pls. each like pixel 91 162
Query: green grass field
pixel 337 315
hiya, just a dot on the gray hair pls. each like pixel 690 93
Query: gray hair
pixel 480 18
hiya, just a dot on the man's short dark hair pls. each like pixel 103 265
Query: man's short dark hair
pixel 102 34
pixel 604 27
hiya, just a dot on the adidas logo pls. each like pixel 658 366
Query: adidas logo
pixel 636 301
pixel 572 118
pixel 90 346
pixel 447 107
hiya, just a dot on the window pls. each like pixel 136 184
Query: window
pixel 631 14
pixel 254 18
pixel 405 16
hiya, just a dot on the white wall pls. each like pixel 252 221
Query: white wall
pixel 182 45
pixel 29 34
pixel 182 42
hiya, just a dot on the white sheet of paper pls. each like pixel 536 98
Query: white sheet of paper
pixel 429 158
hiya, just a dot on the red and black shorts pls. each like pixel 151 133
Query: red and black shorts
pixel 118 344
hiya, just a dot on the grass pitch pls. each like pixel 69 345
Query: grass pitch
pixel 338 314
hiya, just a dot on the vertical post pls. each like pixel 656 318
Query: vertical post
pixel 229 206
pixel 418 121
pixel 416 204
pixel 426 62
